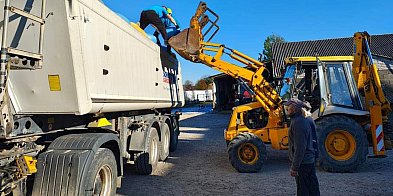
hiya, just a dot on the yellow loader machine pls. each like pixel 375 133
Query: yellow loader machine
pixel 343 122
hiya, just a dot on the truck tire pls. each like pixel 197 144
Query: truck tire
pixel 174 138
pixel 342 142
pixel 101 178
pixel 165 141
pixel 146 162
pixel 247 153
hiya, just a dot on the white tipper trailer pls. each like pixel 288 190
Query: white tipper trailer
pixel 81 92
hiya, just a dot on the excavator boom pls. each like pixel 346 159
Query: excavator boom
pixel 191 45
pixel 366 76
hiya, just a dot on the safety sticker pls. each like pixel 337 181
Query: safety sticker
pixel 54 82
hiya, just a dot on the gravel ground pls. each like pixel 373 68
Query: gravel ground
pixel 200 166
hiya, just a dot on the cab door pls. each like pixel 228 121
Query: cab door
pixel 338 87
pixel 324 90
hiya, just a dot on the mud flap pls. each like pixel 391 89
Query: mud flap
pixel 60 172
pixel 62 169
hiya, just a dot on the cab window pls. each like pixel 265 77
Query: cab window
pixel 338 85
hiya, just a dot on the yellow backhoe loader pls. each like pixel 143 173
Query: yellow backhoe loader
pixel 343 122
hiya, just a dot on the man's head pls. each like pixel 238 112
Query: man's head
pixel 294 106
pixel 169 10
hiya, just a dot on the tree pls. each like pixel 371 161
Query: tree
pixel 204 83
pixel 267 45
pixel 188 85
pixel 207 79
pixel 201 84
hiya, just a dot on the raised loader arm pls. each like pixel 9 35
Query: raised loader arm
pixel 190 45
pixel 367 79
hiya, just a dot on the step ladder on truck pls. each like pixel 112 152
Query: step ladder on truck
pixel 14 58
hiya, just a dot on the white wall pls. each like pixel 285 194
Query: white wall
pixel 201 95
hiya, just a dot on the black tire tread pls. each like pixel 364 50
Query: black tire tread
pixel 174 137
pixel 142 165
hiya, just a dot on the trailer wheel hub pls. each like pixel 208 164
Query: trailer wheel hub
pixel 102 183
pixel 340 145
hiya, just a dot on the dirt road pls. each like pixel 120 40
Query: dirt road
pixel 200 166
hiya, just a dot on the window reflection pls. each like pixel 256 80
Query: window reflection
pixel 338 85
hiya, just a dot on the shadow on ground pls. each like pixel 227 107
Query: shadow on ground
pixel 200 166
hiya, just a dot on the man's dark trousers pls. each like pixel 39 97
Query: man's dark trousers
pixel 307 181
pixel 151 17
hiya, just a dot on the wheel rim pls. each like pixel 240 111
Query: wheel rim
pixel 248 153
pixel 154 151
pixel 167 137
pixel 340 145
pixel 103 181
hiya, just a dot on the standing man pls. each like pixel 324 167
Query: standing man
pixel 301 151
pixel 156 16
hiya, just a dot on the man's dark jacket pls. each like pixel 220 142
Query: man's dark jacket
pixel 301 149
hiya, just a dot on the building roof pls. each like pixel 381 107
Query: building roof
pixel 381 45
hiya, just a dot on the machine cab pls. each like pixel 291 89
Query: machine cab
pixel 326 83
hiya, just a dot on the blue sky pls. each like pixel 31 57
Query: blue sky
pixel 244 25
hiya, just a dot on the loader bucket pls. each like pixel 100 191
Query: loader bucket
pixel 186 44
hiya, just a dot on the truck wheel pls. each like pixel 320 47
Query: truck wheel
pixel 342 142
pixel 146 162
pixel 165 142
pixel 174 139
pixel 101 179
pixel 247 153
